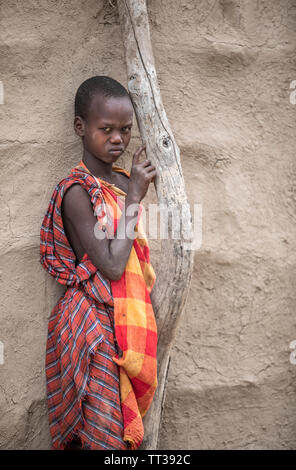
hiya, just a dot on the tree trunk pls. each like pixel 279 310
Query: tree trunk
pixel 170 291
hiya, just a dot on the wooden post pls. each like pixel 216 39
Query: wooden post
pixel 175 268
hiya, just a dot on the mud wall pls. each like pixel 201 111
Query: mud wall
pixel 224 70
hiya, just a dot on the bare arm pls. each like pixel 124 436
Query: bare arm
pixel 108 255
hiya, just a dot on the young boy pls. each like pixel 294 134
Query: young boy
pixel 101 367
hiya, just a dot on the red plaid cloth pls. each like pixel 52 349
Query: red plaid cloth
pixel 83 386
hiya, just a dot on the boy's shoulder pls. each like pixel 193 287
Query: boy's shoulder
pixel 76 175
pixel 75 185
pixel 79 180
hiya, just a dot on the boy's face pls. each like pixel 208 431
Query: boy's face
pixel 107 130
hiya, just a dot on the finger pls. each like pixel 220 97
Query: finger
pixel 136 156
pixel 146 163
pixel 150 169
pixel 151 175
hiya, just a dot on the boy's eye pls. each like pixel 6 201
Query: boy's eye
pixel 124 129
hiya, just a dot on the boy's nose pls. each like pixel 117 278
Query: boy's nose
pixel 116 138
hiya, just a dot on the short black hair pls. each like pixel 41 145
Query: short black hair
pixel 98 85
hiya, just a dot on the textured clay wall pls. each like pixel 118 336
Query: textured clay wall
pixel 224 70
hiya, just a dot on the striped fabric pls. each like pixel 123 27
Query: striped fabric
pixel 99 384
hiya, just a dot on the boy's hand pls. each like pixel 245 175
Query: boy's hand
pixel 141 175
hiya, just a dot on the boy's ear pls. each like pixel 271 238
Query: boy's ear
pixel 79 126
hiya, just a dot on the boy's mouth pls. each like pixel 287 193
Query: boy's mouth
pixel 116 151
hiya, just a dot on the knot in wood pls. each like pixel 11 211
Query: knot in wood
pixel 166 141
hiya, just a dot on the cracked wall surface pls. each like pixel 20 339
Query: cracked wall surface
pixel 224 70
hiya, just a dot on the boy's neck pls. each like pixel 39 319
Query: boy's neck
pixel 97 167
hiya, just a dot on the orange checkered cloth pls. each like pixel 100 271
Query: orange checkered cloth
pixel 134 321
